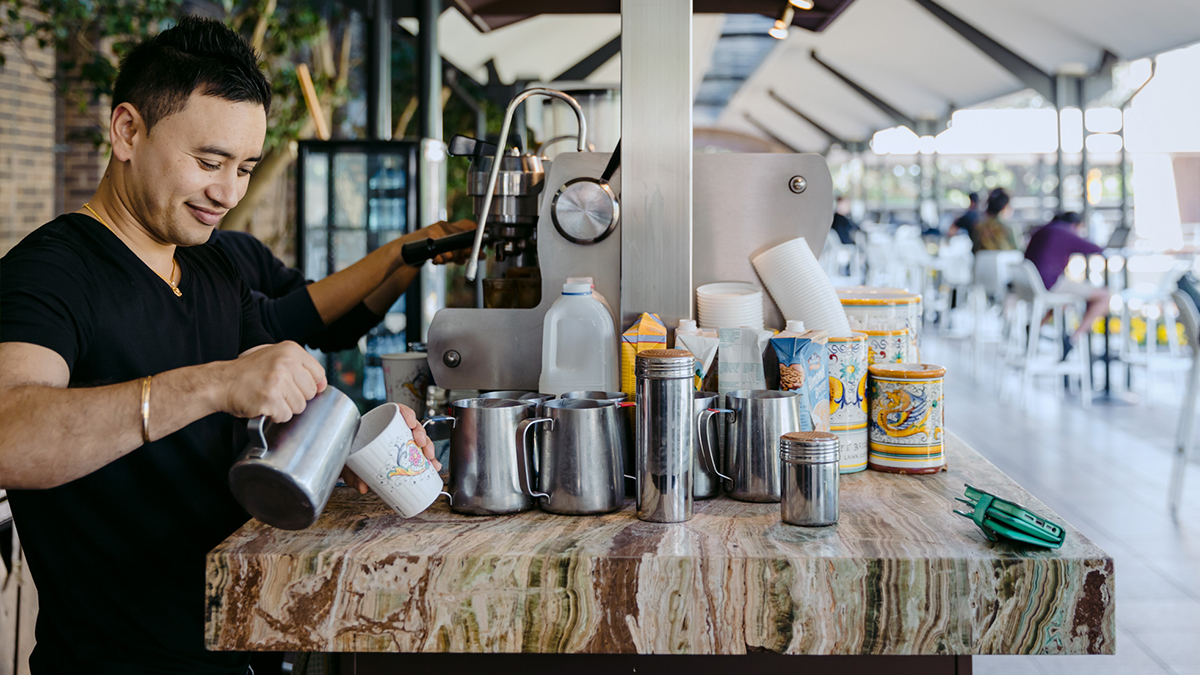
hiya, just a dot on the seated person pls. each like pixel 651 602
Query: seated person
pixel 333 313
pixel 1050 248
pixel 842 225
pixel 991 233
pixel 966 222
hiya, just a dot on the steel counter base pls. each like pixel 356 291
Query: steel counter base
pixel 899 575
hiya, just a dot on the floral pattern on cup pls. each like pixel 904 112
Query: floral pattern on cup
pixel 887 346
pixel 410 461
pixel 847 366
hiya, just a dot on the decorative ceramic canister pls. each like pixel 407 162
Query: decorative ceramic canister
pixel 847 366
pixel 905 425
pixel 875 309
pixel 887 346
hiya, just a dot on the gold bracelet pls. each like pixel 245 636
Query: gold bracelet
pixel 146 408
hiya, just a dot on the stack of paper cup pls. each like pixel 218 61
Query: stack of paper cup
pixel 800 287
pixel 730 304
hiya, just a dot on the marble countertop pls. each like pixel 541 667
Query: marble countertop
pixel 899 574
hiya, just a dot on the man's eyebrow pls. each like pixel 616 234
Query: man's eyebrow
pixel 214 150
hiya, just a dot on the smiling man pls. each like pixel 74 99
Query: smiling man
pixel 127 351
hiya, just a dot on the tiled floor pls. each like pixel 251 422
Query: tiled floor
pixel 1104 470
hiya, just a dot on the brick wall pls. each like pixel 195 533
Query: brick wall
pixel 28 107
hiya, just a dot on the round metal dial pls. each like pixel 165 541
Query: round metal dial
pixel 585 211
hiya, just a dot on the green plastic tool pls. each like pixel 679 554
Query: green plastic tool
pixel 999 517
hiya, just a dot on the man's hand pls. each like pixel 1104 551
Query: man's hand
pixel 273 380
pixel 444 229
pixel 419 437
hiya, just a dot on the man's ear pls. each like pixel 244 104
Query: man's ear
pixel 126 129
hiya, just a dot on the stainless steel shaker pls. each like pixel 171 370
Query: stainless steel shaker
pixel 285 475
pixel 486 466
pixel 753 428
pixel 580 465
pixel 810 478
pixel 625 415
pixel 664 434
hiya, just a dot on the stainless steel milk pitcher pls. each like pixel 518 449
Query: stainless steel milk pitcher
pixel 486 464
pixel 285 475
pixel 625 416
pixel 664 435
pixel 579 457
pixel 753 428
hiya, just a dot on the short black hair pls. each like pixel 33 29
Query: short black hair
pixel 973 198
pixel 160 73
pixel 997 200
pixel 1071 217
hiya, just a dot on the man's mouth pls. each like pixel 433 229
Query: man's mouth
pixel 206 216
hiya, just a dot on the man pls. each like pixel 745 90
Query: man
pixel 966 222
pixel 992 233
pixel 126 352
pixel 1050 249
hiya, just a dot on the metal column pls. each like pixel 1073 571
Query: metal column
pixel 656 161
pixel 428 293
pixel 379 86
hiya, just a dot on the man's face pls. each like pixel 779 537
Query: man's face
pixel 194 166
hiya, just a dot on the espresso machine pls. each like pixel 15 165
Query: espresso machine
pixel 742 204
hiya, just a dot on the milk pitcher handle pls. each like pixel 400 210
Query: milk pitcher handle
pixel 440 418
pixel 523 458
pixel 257 428
pixel 706 452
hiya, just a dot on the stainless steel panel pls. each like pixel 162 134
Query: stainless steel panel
pixel 656 129
pixel 744 205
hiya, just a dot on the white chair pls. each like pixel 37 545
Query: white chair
pixel 1189 316
pixel 1154 304
pixel 992 274
pixel 955 266
pixel 1030 290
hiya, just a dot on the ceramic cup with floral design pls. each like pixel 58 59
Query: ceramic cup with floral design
pixel 906 418
pixel 870 308
pixel 887 346
pixel 847 366
pixel 387 459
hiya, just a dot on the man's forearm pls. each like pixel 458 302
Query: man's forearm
pixel 50 435
pixel 340 292
pixel 382 298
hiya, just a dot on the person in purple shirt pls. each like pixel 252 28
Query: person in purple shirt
pixel 1050 249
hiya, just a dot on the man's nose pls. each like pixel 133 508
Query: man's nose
pixel 224 191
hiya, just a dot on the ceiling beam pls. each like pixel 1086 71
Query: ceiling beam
pixel 592 62
pixel 888 109
pixel 832 137
pixel 1030 75
pixel 770 134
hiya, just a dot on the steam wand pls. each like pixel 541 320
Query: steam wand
pixel 473 263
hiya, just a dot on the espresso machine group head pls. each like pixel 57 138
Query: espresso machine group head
pixel 512 222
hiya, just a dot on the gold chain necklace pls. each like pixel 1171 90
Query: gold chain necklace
pixel 172 284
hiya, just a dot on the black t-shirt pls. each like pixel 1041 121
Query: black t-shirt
pixel 283 300
pixel 118 556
